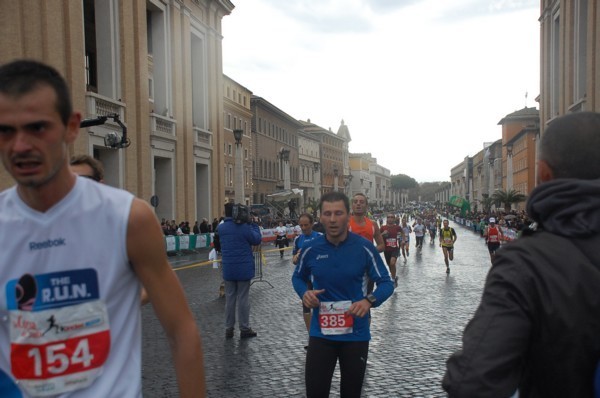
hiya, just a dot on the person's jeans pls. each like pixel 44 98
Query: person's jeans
pixel 237 292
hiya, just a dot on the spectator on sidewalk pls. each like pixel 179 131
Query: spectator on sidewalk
pixel 237 239
pixel 537 326
pixel 204 228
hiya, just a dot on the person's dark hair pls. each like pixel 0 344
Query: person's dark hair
pixel 570 146
pixel 21 77
pixel 307 215
pixel 335 196
pixel 95 165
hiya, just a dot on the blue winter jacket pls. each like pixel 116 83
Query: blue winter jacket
pixel 236 248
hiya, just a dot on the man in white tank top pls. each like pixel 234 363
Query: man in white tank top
pixel 70 321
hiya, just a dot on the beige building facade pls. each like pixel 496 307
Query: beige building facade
pixel 237 115
pixel 157 66
pixel 570 58
pixel 332 150
pixel 362 181
pixel 520 133
pixel 275 143
pixel 309 167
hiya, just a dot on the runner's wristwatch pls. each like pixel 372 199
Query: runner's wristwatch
pixel 371 299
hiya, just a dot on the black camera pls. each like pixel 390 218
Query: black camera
pixel 240 214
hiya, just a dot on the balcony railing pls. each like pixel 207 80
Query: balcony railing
pixel 161 125
pixel 98 105
pixel 203 138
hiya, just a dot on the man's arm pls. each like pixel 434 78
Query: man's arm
pixel 296 251
pixel 378 272
pixel 254 237
pixel 300 277
pixel 378 238
pixel 145 248
pixel 496 339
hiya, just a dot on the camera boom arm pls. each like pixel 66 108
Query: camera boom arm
pixel 111 140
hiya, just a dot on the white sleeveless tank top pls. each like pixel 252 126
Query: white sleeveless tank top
pixel 69 300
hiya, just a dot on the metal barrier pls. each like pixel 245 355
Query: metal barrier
pixel 259 260
pixel 187 243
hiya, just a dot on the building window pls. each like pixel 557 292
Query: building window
pixel 229 149
pixel 101 44
pixel 151 89
pixel 555 77
pixel 199 84
pixel 158 61
pixel 580 50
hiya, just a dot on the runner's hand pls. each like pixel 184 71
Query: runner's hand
pixel 296 257
pixel 310 299
pixel 360 308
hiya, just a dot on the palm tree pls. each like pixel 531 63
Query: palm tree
pixel 507 198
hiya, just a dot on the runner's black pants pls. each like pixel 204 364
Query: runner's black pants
pixel 321 359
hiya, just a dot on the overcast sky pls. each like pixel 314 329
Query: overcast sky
pixel 420 83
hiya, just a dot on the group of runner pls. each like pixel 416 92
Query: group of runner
pixel 332 320
pixel 397 237
pixel 320 282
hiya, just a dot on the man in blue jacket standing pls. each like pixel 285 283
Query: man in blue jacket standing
pixel 238 235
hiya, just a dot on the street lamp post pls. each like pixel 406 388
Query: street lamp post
pixel 317 180
pixel 347 184
pixel 491 171
pixel 509 166
pixel 239 167
pixel 285 157
pixel 335 180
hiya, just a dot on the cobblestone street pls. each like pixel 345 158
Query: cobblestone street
pixel 413 332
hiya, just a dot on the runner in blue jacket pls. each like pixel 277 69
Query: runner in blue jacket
pixel 339 264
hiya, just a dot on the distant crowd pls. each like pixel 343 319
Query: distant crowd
pixel 171 228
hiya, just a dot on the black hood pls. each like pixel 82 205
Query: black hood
pixel 567 207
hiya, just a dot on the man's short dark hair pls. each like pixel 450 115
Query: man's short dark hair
pixel 335 196
pixel 95 165
pixel 307 215
pixel 21 77
pixel 571 144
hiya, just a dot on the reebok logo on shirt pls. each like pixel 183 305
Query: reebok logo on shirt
pixel 47 244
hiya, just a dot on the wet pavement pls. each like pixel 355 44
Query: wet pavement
pixel 414 332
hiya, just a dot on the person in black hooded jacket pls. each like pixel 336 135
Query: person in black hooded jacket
pixel 537 328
